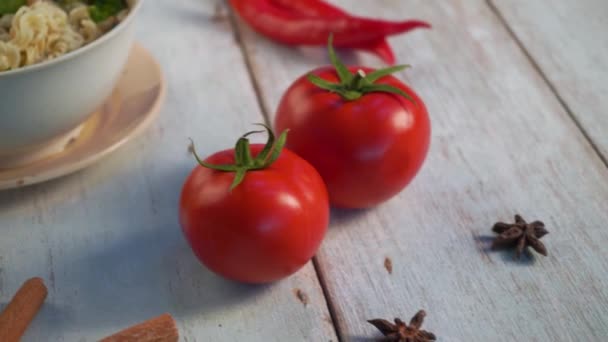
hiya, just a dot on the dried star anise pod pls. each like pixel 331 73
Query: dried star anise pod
pixel 521 235
pixel 401 332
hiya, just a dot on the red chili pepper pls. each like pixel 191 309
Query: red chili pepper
pixel 313 8
pixel 320 8
pixel 294 29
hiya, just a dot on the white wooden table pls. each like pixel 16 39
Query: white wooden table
pixel 517 94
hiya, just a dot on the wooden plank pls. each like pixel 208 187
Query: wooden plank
pixel 567 40
pixel 502 144
pixel 107 239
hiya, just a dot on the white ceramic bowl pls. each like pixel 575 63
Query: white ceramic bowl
pixel 43 102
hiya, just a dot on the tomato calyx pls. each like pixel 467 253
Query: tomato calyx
pixel 353 86
pixel 244 161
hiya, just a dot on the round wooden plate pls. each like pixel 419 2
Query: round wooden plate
pixel 130 109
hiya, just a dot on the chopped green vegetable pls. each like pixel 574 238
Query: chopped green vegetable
pixel 69 4
pixel 101 10
pixel 10 6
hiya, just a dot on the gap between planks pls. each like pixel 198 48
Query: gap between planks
pixel 331 308
pixel 546 79
pixel 263 107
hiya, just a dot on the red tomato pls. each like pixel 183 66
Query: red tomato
pixel 263 230
pixel 367 150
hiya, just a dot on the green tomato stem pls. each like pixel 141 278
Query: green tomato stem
pixel 244 161
pixel 353 86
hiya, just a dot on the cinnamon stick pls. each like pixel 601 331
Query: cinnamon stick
pixel 159 329
pixel 21 310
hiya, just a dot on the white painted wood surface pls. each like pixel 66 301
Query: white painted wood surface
pixel 568 40
pixel 502 144
pixel 108 243
pixel 107 240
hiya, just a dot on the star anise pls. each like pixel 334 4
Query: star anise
pixel 401 332
pixel 521 235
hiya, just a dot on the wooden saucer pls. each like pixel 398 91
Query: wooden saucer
pixel 129 110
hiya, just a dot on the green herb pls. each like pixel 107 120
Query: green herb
pixel 11 6
pixel 70 4
pixel 101 10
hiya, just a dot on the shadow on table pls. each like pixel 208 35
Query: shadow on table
pixel 484 243
pixel 149 273
pixel 342 217
pixel 64 190
pixel 18 197
pixel 363 339
pixel 52 317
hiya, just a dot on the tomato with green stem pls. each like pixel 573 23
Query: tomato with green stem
pixel 255 213
pixel 365 131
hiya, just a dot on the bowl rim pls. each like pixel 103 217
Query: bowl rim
pixel 81 50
